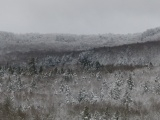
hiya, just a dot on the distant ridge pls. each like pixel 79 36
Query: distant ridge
pixel 10 42
pixel 129 49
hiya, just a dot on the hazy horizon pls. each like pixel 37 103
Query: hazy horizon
pixel 79 16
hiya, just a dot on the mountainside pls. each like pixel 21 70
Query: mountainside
pixel 136 49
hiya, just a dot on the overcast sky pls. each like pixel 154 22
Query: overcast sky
pixel 79 16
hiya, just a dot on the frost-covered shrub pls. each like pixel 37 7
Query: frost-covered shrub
pixel 116 115
pixel 157 88
pixel 96 116
pixel 85 114
pixel 115 93
pixel 67 77
pixel 146 87
pixel 127 98
pixel 119 82
pixel 98 76
pixel 81 95
pixel 130 83
pixel 107 114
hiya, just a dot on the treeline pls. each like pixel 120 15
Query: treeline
pixel 32 67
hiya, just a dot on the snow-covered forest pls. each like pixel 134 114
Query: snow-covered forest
pixel 80 77
pixel 71 42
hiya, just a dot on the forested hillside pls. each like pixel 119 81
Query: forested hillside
pixel 80 77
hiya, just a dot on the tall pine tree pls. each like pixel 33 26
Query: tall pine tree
pixel 32 67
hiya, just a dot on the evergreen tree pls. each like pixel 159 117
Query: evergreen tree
pixel 86 115
pixel 116 115
pixel 32 66
pixel 130 83
pixel 85 62
pixel 33 83
pixel 10 70
pixel 19 70
pixel 97 65
pixel 107 114
pixel 62 70
pixel 81 95
pixel 40 70
pixel 55 70
pixel 19 83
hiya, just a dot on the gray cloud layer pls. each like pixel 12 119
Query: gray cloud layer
pixel 79 16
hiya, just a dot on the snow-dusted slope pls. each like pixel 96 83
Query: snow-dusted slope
pixel 105 48
pixel 72 42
